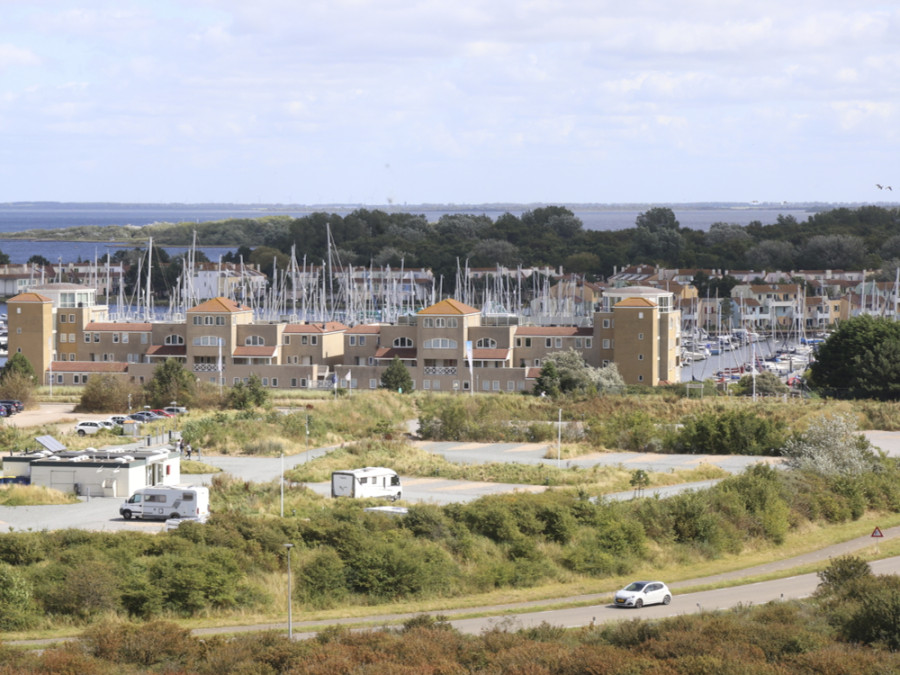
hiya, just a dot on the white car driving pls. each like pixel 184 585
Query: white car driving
pixel 640 593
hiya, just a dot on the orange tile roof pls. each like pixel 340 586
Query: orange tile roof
pixel 329 327
pixel 449 307
pixel 167 350
pixel 635 302
pixel 219 304
pixel 29 297
pixel 365 329
pixel 254 351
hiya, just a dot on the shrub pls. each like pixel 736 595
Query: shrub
pixel 730 432
pixel 321 579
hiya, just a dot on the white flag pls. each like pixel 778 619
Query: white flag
pixel 347 376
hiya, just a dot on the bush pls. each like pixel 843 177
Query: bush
pixel 321 579
pixel 730 432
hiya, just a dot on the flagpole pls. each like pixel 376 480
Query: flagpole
pixel 220 366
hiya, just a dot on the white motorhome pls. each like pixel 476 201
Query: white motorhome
pixel 372 481
pixel 167 501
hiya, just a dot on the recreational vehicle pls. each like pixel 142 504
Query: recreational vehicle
pixel 373 481
pixel 167 501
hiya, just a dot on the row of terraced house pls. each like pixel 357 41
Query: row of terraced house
pixel 449 346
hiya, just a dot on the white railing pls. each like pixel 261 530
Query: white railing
pixel 440 370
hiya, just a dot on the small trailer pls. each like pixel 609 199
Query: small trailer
pixel 167 501
pixel 372 481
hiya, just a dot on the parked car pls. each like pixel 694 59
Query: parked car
pixel 119 420
pixel 175 409
pixel 161 413
pixel 4 411
pixel 108 424
pixel 16 405
pixel 88 428
pixel 640 593
pixel 143 416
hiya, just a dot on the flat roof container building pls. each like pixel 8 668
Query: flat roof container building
pixel 114 472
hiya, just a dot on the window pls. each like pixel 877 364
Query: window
pixel 274 381
pixel 495 385
pixel 559 343
pixel 198 320
pixel 640 315
pixel 96 337
pixel 286 340
pixel 265 381
pixel 486 343
pixel 548 342
pixel 255 341
pixel 209 321
pixel 640 357
pixel 362 340
pixel 640 378
pixel 63 337
pixel 173 340
pixel 606 343
pixel 537 363
pixel 206 341
pixel 606 323
pixel 71 318
pixel 87 337
pixel 313 339
pixel 579 343
pixel 373 383
pixel 115 338
pixel 62 318
pixel 59 379
pixel 588 343
pixel 640 336
pixel 72 338
pixel 72 356
pixel 440 343
pixel 510 385
pixel 304 340
pixel 124 338
pixel 403 342
pixel 220 320
pixel 352 341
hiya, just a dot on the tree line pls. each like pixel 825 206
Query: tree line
pixel 843 238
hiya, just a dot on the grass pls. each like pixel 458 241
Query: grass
pixel 33 495
pixel 192 466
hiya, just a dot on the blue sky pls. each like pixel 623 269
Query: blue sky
pixel 439 101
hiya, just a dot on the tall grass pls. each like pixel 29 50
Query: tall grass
pixel 33 495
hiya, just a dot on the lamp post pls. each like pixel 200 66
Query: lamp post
pixel 289 599
pixel 174 405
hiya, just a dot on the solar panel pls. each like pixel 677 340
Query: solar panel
pixel 50 443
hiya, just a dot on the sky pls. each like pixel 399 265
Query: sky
pixel 380 102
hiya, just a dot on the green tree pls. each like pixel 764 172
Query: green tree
pixel 245 396
pixel 831 446
pixel 548 382
pixel 4 258
pixel 763 384
pixel 170 382
pixel 396 377
pixel 17 364
pixel 860 359
pixel 108 393
pixel 38 259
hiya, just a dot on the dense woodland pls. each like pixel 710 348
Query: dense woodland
pixel 844 238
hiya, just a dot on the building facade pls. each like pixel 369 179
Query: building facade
pixel 448 346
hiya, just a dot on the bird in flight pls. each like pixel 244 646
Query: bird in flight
pixel 884 187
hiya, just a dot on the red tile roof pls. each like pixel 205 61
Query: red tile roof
pixel 254 351
pixel 490 354
pixel 119 327
pixel 219 305
pixel 319 328
pixel 449 307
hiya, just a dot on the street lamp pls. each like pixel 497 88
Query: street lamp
pixel 174 405
pixel 289 599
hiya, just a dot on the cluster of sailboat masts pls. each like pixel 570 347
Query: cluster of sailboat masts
pixel 331 291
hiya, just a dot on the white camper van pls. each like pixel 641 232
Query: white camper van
pixel 167 501
pixel 373 481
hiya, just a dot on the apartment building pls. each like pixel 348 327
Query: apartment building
pixel 448 346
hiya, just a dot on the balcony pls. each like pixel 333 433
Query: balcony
pixel 440 370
